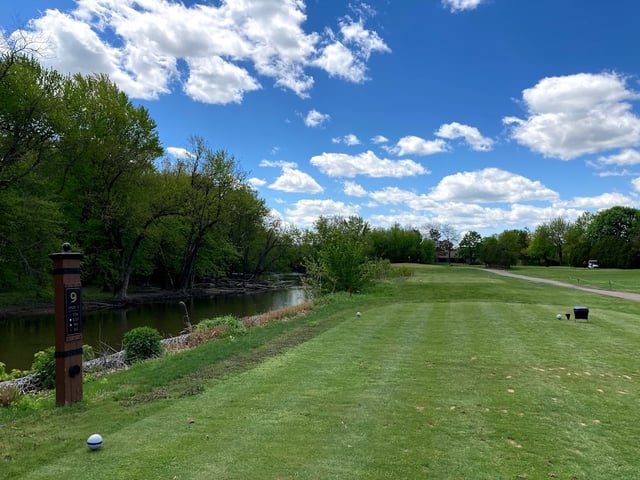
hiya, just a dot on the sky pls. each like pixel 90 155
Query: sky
pixel 484 115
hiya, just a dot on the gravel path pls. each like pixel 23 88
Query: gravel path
pixel 612 293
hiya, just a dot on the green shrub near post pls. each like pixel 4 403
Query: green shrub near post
pixel 141 343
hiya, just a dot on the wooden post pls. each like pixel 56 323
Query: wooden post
pixel 68 325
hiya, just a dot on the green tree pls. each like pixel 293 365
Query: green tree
pixel 341 260
pixel 469 246
pixel 211 178
pixel 110 152
pixel 615 237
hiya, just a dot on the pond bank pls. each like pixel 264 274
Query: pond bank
pixel 150 295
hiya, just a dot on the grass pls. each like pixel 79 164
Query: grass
pixel 603 278
pixel 451 373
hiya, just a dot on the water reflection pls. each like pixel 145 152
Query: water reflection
pixel 20 338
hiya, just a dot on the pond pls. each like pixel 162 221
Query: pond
pixel 21 337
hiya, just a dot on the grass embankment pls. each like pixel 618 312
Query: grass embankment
pixel 453 373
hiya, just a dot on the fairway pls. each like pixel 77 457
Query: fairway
pixel 452 373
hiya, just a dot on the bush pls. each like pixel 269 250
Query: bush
pixel 141 343
pixel 8 394
pixel 44 368
pixel 14 373
pixel 232 326
pixel 44 365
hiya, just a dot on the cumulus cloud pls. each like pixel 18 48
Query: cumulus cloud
pixel 354 189
pixel 379 139
pixel 626 157
pixel 412 145
pixel 225 46
pixel 316 119
pixel 636 184
pixel 367 164
pixel 346 54
pixel 490 185
pixel 577 114
pixel 179 152
pixel 471 135
pixel 305 212
pixel 349 139
pixel 257 182
pixel 293 180
pixel 461 5
pixel 598 202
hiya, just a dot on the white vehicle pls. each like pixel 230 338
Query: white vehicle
pixel 592 264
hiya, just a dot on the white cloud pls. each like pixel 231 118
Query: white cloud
pixel 598 202
pixel 179 152
pixel 379 139
pixel 225 45
pixel 412 145
pixel 461 5
pixel 315 119
pixel 367 164
pixel 214 80
pixel 257 182
pixel 636 184
pixel 471 135
pixel 305 212
pixel 347 53
pixel 624 158
pixel 354 189
pixel 349 139
pixel 490 185
pixel 577 114
pixel 296 181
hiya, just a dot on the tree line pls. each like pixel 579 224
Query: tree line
pixel 80 163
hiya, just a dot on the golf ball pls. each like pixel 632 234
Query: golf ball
pixel 559 317
pixel 94 441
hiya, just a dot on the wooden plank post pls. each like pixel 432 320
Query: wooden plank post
pixel 68 325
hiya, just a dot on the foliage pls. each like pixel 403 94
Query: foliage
pixel 340 260
pixel 469 246
pixel 232 326
pixel 141 343
pixel 44 365
pixel 14 373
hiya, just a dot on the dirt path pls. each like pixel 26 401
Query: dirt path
pixel 612 293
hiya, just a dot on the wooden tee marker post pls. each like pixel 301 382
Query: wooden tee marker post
pixel 68 325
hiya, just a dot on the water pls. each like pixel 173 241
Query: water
pixel 20 338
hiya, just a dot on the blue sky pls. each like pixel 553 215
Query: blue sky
pixel 484 115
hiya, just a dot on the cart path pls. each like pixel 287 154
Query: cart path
pixel 612 293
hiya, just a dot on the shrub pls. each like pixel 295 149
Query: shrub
pixel 232 326
pixel 14 373
pixel 44 365
pixel 141 343
pixel 8 394
pixel 44 368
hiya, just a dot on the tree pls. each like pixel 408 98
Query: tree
pixel 211 177
pixel 31 116
pixel 615 237
pixel 109 152
pixel 340 259
pixel 541 245
pixel 469 245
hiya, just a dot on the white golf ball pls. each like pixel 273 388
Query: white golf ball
pixel 94 441
pixel 559 317
pixel 358 314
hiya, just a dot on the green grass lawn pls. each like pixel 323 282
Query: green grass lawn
pixel 453 373
pixel 605 278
